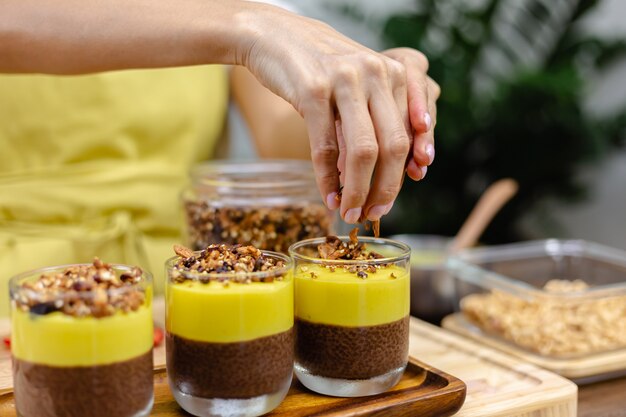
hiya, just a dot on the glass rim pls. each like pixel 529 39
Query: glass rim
pixel 15 281
pixel 404 255
pixel 195 275
pixel 212 173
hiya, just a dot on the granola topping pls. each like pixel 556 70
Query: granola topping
pixel 93 290
pixel 336 249
pixel 226 263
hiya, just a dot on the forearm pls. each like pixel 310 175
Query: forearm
pixel 81 36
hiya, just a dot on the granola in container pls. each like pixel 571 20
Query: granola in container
pixel 268 204
pixel 559 299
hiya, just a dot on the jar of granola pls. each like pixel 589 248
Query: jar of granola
pixel 269 204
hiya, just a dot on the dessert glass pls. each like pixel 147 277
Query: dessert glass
pixel 269 204
pixel 229 338
pixel 351 318
pixel 72 360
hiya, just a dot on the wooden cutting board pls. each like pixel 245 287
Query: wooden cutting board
pixel 498 385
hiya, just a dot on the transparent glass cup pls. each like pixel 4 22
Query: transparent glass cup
pixel 229 345
pixel 269 204
pixel 75 366
pixel 351 318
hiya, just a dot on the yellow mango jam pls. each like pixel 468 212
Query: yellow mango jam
pixel 342 298
pixel 238 312
pixel 59 339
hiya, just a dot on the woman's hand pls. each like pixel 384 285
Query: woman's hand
pixel 384 103
pixel 370 116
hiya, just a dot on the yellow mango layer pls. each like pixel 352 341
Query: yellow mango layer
pixel 343 299
pixel 238 312
pixel 57 339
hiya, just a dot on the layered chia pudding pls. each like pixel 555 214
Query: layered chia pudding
pixel 351 314
pixel 229 322
pixel 82 341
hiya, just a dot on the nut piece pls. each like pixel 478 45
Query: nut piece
pixel 183 251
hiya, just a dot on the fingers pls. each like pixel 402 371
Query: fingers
pixel 424 143
pixel 393 150
pixel 341 142
pixel 361 152
pixel 416 65
pixel 324 151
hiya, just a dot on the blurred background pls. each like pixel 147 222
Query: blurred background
pixel 534 90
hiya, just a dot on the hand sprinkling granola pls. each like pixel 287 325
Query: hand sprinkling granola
pixel 83 290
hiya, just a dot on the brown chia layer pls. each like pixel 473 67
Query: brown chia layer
pixel 352 352
pixel 230 370
pixel 121 389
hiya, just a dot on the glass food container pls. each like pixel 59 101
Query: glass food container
pixel 558 303
pixel 351 317
pixel 229 335
pixel 82 341
pixel 269 204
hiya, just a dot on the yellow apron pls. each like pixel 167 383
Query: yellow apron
pixel 93 165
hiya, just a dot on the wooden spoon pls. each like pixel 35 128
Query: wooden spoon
pixel 489 204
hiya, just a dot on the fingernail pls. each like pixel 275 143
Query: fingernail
pixel 353 215
pixel 427 121
pixel 430 152
pixel 424 171
pixel 332 201
pixel 376 212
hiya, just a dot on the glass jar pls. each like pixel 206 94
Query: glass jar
pixel 229 338
pixel 79 349
pixel 268 204
pixel 351 318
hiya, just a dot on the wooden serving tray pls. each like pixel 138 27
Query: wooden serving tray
pixel 583 370
pixel 422 391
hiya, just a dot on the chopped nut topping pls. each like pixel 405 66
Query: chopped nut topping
pixel 82 290
pixel 237 261
pixel 335 249
pixel 267 228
